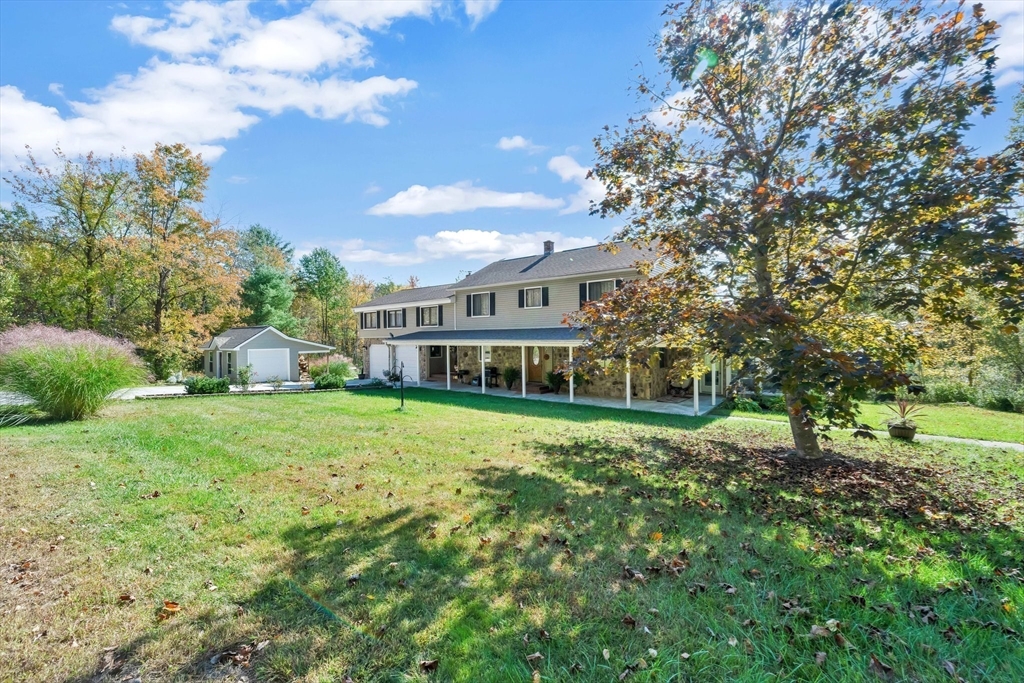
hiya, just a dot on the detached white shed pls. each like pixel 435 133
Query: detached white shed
pixel 271 353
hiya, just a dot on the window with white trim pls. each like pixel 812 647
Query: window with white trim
pixel 229 362
pixel 597 289
pixel 370 320
pixel 481 305
pixel 395 318
pixel 533 297
pixel 428 316
pixel 210 356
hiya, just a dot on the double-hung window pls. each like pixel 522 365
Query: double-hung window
pixel 229 362
pixel 595 290
pixel 211 361
pixel 370 320
pixel 428 316
pixel 533 297
pixel 396 318
pixel 481 305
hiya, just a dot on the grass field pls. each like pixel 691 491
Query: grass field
pixel 331 537
pixel 967 422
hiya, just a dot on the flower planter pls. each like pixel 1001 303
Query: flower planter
pixel 902 432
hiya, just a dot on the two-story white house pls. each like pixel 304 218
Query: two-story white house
pixel 511 313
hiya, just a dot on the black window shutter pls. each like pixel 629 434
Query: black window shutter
pixel 440 316
pixel 378 319
pixel 492 303
pixel 418 317
pixel 362 320
pixel 522 298
pixel 618 284
pixel 543 296
pixel 583 293
pixel 403 317
pixel 469 305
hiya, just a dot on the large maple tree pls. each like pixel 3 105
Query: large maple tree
pixel 805 180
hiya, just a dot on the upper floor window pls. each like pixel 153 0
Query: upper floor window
pixel 370 320
pixel 533 297
pixel 428 316
pixel 396 318
pixel 480 305
pixel 595 290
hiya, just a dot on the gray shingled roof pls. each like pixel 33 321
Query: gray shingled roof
pixel 235 336
pixel 514 336
pixel 558 264
pixel 410 296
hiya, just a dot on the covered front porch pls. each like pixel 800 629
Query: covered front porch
pixel 476 361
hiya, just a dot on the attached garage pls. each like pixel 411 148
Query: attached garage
pixel 269 364
pixel 410 355
pixel 379 361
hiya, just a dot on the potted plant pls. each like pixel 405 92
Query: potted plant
pixel 555 380
pixel 511 375
pixel 902 426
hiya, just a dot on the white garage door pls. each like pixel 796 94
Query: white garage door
pixel 269 363
pixel 410 355
pixel 378 361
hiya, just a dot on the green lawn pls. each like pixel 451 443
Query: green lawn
pixel 966 422
pixel 351 539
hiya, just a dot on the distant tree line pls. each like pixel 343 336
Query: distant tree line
pixel 124 248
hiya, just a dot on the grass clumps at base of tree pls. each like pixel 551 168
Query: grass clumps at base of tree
pixel 684 548
pixel 68 375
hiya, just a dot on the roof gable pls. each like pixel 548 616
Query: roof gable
pixel 235 337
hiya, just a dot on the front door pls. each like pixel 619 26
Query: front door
pixel 534 364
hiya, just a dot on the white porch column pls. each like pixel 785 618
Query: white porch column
pixel 483 371
pixel 714 381
pixel 572 380
pixel 448 366
pixel 728 374
pixel 419 370
pixel 629 388
pixel 522 379
pixel 696 394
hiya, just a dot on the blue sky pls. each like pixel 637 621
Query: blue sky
pixel 421 138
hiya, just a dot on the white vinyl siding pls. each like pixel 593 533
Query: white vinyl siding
pixel 534 297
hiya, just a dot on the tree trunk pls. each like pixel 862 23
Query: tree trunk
pixel 804 438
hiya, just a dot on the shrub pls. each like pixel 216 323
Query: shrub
pixel 774 404
pixel 335 367
pixel 207 385
pixel 245 377
pixel 555 380
pixel 741 403
pixel 329 381
pixel 949 392
pixel 68 374
pixel 511 375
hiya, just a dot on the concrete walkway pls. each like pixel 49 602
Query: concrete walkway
pixel 159 390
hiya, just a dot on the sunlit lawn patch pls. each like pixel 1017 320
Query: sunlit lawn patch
pixel 311 537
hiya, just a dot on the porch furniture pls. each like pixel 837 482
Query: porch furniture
pixel 683 391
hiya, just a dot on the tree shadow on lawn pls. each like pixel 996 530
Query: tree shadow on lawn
pixel 728 552
pixel 507 405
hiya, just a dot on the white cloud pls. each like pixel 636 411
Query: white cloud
pixel 238 180
pixel 372 188
pixel 465 245
pixel 508 144
pixel 1010 51
pixel 56 89
pixel 570 170
pixel 224 69
pixel 420 200
pixel 478 10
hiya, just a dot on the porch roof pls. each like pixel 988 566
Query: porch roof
pixel 539 336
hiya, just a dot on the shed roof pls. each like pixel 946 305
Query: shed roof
pixel 234 337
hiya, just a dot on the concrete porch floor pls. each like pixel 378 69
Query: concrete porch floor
pixel 682 408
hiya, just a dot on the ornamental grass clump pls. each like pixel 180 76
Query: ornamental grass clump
pixel 68 374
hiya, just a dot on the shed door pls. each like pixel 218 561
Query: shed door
pixel 378 361
pixel 410 355
pixel 268 364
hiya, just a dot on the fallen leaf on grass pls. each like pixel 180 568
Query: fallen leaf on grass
pixel 950 668
pixel 428 665
pixel 607 654
pixel 819 658
pixel 629 621
pixel 353 580
pixel 126 597
pixel 305 510
pixel 535 657
pixel 880 668
pixel 171 606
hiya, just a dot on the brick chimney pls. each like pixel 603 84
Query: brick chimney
pixel 549 247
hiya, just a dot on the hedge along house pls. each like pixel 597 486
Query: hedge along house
pixel 271 353
pixel 511 314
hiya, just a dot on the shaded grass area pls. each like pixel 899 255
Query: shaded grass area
pixel 963 421
pixel 350 539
